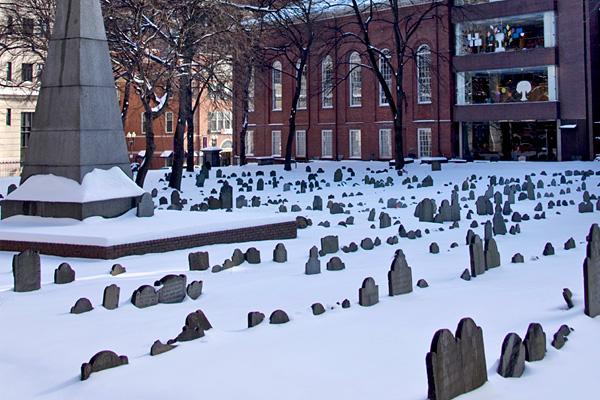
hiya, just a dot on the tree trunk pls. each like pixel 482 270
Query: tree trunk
pixel 150 145
pixel 125 105
pixel 399 121
pixel 190 138
pixel 245 112
pixel 293 114
pixel 182 118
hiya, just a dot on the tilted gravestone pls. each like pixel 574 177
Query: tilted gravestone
pixel 64 274
pixel 535 343
pixel 81 306
pixel 101 361
pixel 591 273
pixel 194 289
pixel 199 261
pixel 368 294
pixel 456 366
pixel 492 256
pixel 280 253
pixel 255 318
pixel 172 289
pixel 399 275
pixel 512 358
pixel 279 317
pixel 110 299
pixel 26 268
pixel 196 324
pixel 477 257
pixel 159 347
pixel 144 296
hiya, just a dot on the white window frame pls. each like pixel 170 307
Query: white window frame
pixel 355 145
pixel 385 150
pixel 167 114
pixel 424 142
pixel 277 86
pixel 327 82
pixel 326 145
pixel 303 99
pixel 301 143
pixel 355 80
pixel 423 66
pixel 276 143
pixel 249 143
pixel 386 70
pixel 142 124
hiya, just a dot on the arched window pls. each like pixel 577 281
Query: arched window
pixel 302 102
pixel 227 144
pixel 386 70
pixel 424 74
pixel 355 80
pixel 277 86
pixel 327 82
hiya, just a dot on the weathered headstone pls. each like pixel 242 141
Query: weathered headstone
pixel 117 269
pixel 279 317
pixel 512 357
pixel 101 361
pixel 226 196
pixel 335 264
pixel 145 207
pixel 159 347
pixel 313 265
pixel 81 306
pixel 591 273
pixel 399 275
pixel 368 294
pixel 456 366
pixel 26 268
pixel 252 256
pixel 535 343
pixel 194 289
pixel 317 309
pixel 568 296
pixel 110 299
pixel 477 256
pixel 255 318
pixel 172 289
pixel 492 256
pixel 64 274
pixel 144 296
pixel 329 245
pixel 280 253
pixel 199 261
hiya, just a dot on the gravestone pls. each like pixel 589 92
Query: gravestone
pixel 238 258
pixel 499 224
pixel 198 261
pixel 255 318
pixel 329 245
pixel 279 317
pixel 144 296
pixel 117 269
pixel 535 343
pixel 159 347
pixel 591 273
pixel 195 325
pixel 64 274
pixel 252 256
pixel 226 196
pixel 145 207
pixel 399 275
pixel 101 361
pixel 548 249
pixel 317 204
pixel 456 366
pixel 368 294
pixel 317 309
pixel 313 265
pixel 568 296
pixel 434 248
pixel 26 269
pixel 512 357
pixel 477 257
pixel 110 299
pixel 280 253
pixel 384 221
pixel 194 290
pixel 81 306
pixel 172 289
pixel 492 256
pixel 367 244
pixel 335 264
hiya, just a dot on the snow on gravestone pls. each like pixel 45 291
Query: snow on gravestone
pixel 26 270
pixel 456 365
pixel 591 272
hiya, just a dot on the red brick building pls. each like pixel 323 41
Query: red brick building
pixel 354 122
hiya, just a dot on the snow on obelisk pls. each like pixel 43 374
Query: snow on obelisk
pixel 76 165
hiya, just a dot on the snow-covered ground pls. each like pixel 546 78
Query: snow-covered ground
pixel 357 353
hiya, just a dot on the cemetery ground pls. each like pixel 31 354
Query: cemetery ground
pixel 358 352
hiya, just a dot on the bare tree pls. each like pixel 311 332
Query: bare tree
pixel 298 28
pixel 404 18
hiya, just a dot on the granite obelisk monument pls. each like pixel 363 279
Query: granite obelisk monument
pixel 77 129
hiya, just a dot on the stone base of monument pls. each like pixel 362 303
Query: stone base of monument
pixel 108 239
pixel 106 208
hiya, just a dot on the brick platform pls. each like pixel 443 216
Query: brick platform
pixel 277 231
